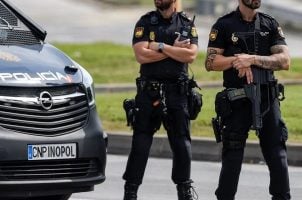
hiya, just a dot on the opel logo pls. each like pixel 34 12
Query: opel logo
pixel 45 100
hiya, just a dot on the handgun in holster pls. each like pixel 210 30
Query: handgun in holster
pixel 216 124
pixel 280 94
pixel 129 107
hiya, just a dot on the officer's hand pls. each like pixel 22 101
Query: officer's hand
pixel 243 61
pixel 183 44
pixel 246 72
pixel 153 46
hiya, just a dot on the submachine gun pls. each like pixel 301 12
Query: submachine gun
pixel 263 80
pixel 252 91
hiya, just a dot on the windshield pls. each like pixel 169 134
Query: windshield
pixel 13 31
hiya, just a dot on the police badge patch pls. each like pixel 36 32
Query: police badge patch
pixel 139 32
pixel 152 36
pixel 213 35
pixel 234 38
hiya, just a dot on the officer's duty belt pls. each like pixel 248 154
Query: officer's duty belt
pixel 154 85
pixel 276 90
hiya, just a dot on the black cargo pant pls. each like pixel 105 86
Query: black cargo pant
pixel 147 122
pixel 272 138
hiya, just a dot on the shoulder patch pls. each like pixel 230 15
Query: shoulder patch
pixel 213 35
pixel 139 32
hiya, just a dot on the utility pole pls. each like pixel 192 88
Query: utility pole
pixel 178 5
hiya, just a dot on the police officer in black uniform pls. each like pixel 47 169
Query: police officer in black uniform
pixel 242 43
pixel 164 42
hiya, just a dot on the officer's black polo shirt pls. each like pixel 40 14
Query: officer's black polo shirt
pixel 153 27
pixel 223 36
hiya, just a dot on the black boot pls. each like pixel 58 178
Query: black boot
pixel 186 192
pixel 130 191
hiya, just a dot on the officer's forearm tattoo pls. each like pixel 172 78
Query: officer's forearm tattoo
pixel 211 55
pixel 277 61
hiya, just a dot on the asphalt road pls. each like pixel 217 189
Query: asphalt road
pixel 157 185
pixel 87 21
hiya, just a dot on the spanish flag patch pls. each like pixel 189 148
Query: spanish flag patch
pixel 213 35
pixel 139 32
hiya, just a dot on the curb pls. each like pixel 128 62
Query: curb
pixel 203 149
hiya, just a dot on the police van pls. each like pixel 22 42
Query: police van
pixel 51 139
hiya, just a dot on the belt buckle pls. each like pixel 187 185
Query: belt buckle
pixel 153 85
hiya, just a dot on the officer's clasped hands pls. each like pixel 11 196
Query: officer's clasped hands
pixel 181 43
pixel 153 46
pixel 177 43
pixel 243 63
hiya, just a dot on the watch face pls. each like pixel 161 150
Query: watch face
pixel 160 47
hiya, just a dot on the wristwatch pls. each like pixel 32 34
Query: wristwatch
pixel 160 47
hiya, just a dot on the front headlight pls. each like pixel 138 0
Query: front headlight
pixel 90 93
pixel 88 83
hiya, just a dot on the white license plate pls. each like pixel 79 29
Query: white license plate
pixel 51 151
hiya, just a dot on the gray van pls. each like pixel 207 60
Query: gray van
pixel 51 139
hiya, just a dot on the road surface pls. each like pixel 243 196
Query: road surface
pixel 157 185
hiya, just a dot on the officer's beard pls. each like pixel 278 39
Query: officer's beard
pixel 252 4
pixel 163 5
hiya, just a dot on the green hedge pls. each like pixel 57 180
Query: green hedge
pixel 112 114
